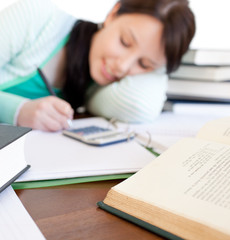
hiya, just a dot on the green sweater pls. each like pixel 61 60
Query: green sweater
pixel 31 33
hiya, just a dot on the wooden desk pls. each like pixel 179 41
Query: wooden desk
pixel 70 212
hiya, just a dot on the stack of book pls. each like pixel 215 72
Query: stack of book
pixel 204 75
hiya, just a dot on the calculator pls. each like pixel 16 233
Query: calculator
pixel 98 136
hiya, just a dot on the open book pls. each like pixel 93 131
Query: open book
pixel 183 193
pixel 12 157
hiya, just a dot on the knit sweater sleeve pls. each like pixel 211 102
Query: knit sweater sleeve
pixel 18 25
pixel 9 104
pixel 135 99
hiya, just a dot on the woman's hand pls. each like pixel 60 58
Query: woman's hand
pixel 47 114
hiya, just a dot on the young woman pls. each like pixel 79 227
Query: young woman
pixel 89 64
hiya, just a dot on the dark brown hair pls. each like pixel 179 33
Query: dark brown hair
pixel 77 63
pixel 179 29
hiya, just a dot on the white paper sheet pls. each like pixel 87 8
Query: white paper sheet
pixel 54 156
pixel 167 129
pixel 15 222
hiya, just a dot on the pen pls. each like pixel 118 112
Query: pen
pixel 51 91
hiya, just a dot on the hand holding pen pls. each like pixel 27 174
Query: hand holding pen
pixel 48 113
pixel 51 91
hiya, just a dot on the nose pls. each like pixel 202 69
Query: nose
pixel 125 65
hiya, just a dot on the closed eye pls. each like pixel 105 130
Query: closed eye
pixel 145 66
pixel 124 42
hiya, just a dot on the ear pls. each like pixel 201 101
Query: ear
pixel 112 14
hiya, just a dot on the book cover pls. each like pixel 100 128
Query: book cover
pixel 137 221
pixel 204 73
pixel 207 57
pixel 12 164
pixel 188 89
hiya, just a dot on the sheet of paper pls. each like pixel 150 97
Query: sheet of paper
pixel 167 129
pixel 170 123
pixel 15 222
pixel 54 156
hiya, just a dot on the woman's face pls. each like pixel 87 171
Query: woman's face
pixel 128 44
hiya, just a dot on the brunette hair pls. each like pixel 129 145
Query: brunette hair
pixel 77 63
pixel 179 29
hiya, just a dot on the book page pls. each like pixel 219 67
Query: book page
pixel 190 179
pixel 217 130
pixel 15 222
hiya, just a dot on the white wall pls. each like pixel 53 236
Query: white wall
pixel 94 10
pixel 5 3
pixel 212 18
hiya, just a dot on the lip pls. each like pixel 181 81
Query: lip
pixel 106 74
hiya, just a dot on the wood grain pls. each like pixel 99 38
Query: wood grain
pixel 70 212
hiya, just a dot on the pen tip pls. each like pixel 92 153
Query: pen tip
pixel 70 123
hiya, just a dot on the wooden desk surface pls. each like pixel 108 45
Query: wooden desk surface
pixel 70 212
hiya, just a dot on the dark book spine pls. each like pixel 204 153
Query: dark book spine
pixel 138 222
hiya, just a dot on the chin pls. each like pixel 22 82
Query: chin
pixel 103 82
pixel 100 80
pixel 97 78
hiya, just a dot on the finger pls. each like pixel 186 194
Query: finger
pixel 64 108
pixel 54 120
pixel 49 123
